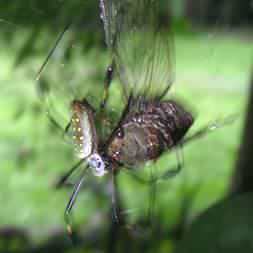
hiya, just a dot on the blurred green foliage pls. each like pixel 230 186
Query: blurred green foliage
pixel 226 227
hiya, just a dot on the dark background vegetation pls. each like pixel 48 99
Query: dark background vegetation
pixel 213 44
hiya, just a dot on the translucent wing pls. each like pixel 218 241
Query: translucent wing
pixel 141 45
pixel 109 15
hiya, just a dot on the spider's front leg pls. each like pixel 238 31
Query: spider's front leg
pixel 62 180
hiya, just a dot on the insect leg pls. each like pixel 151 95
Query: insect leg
pixel 136 177
pixel 167 174
pixel 107 83
pixel 174 171
pixel 152 198
pixel 60 182
pixel 200 133
pixel 210 127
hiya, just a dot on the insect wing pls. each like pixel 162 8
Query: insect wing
pixel 141 45
pixel 109 15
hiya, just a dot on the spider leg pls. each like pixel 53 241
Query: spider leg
pixel 60 36
pixel 57 126
pixel 71 203
pixel 62 180
pixel 114 197
pixel 54 122
pixel 66 129
pixel 118 217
